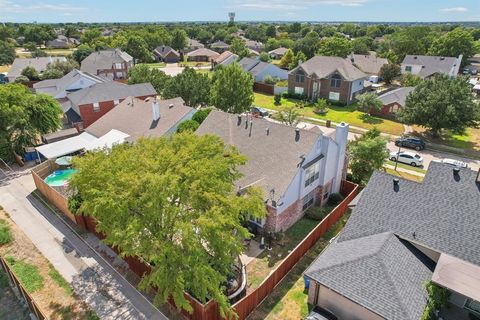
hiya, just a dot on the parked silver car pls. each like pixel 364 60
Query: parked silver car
pixel 410 158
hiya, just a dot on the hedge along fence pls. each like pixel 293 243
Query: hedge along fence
pixel 210 311
pixel 32 305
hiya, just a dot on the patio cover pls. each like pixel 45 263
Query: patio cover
pixel 84 141
pixel 67 146
pixel 110 138
pixel 458 275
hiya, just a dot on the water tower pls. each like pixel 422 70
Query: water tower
pixel 231 15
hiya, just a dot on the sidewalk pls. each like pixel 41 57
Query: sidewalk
pixel 93 279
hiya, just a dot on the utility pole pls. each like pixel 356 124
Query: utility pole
pixel 398 155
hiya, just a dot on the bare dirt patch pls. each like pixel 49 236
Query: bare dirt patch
pixel 55 296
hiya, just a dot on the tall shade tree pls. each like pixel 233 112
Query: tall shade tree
pixel 25 116
pixel 299 58
pixel 239 48
pixel 141 73
pixel 335 46
pixel 179 39
pixel 173 203
pixel 137 48
pixel 454 43
pixel 308 44
pixel 191 86
pixel 232 89
pixel 369 101
pixel 7 53
pixel 367 153
pixel 389 71
pixel 441 103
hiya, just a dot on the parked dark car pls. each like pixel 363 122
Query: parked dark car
pixel 318 313
pixel 410 142
pixel 259 112
pixel 3 79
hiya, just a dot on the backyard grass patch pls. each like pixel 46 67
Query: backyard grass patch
pixel 28 274
pixel 267 261
pixel 59 52
pixel 57 277
pixel 5 234
pixel 348 114
pixel 289 299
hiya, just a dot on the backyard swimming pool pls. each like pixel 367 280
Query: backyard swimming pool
pixel 59 177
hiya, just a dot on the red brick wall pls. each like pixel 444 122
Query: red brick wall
pixel 89 116
pixel 386 110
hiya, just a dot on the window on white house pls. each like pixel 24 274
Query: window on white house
pixel 115 102
pixel 299 90
pixel 311 174
pixel 308 200
pixel 300 77
pixel 96 107
pixel 408 68
pixel 336 81
pixel 118 66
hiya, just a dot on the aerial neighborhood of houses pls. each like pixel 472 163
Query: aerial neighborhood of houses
pixel 210 170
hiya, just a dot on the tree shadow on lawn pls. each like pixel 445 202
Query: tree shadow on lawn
pixel 446 138
pixel 370 119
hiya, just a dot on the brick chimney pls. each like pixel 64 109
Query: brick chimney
pixel 155 110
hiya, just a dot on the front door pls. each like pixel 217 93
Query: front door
pixel 316 88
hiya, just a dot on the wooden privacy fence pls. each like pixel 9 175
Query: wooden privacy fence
pixel 32 305
pixel 263 88
pixel 209 311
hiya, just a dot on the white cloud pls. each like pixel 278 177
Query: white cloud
pixel 296 5
pixel 10 6
pixel 454 9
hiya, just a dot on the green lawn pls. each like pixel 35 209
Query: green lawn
pixel 347 114
pixel 194 64
pixel 156 64
pixel 470 140
pixel 406 166
pixel 259 268
pixel 5 68
pixel 289 299
pixel 59 52
pixel 57 277
pixel 28 274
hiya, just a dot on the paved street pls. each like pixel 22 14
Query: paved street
pixel 92 278
pixel 428 155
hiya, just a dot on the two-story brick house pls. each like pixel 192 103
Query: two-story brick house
pixel 111 64
pixel 332 78
pixel 93 102
pixel 295 168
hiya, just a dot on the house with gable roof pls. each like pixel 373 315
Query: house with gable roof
pixel 333 78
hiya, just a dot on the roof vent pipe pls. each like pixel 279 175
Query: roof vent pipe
pixel 267 129
pixel 456 171
pixel 297 134
pixel 246 122
pixel 155 110
pixel 239 120
pixel 396 181
pixel 170 106
pixel 251 124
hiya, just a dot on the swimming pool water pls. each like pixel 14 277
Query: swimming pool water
pixel 59 177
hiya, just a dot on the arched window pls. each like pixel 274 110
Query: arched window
pixel 300 77
pixel 335 81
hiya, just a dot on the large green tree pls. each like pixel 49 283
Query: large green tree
pixel 335 46
pixel 389 71
pixel 441 103
pixel 7 53
pixel 179 39
pixel 191 86
pixel 173 203
pixel 232 89
pixel 25 116
pixel 308 44
pixel 138 49
pixel 81 53
pixel 142 73
pixel 238 47
pixel 367 153
pixel 287 59
pixel 454 43
pixel 369 101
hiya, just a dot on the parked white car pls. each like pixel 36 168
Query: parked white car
pixel 410 158
pixel 453 162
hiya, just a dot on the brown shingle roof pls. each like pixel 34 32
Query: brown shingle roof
pixel 323 66
pixel 134 117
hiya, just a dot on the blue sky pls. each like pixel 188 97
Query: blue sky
pixel 246 10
